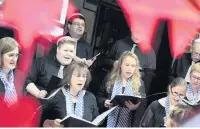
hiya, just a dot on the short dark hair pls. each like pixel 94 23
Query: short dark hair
pixel 74 16
pixel 75 66
pixel 7 44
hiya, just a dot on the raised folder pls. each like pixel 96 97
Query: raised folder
pixel 74 121
pixel 120 99
pixel 53 83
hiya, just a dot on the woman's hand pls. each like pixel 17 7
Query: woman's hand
pixel 131 106
pixel 107 103
pixel 52 123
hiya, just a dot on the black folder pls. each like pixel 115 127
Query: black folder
pixel 53 84
pixel 120 100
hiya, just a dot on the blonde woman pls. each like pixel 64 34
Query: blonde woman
pixel 124 79
pixel 179 114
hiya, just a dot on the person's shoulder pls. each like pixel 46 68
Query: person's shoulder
pixel 83 41
pixel 154 105
pixel 90 96
pixel 124 40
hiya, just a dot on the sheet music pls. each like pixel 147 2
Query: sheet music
pixel 52 95
pixel 101 117
pixel 76 117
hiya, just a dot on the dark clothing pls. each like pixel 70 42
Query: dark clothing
pixel 146 60
pixel 56 107
pixel 83 50
pixel 2 87
pixel 181 66
pixel 153 116
pixel 42 70
pixel 103 95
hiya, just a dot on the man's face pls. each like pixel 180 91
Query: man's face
pixel 77 27
pixel 196 52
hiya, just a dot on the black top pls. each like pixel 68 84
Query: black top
pixel 146 60
pixel 153 116
pixel 56 107
pixel 83 50
pixel 181 66
pixel 42 70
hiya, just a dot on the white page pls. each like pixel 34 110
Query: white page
pixel 76 117
pixel 52 95
pixel 101 117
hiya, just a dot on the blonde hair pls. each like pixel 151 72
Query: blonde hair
pixel 66 39
pixel 116 73
pixel 195 68
pixel 179 114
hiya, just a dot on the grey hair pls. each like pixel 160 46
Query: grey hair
pixel 196 41
pixel 178 82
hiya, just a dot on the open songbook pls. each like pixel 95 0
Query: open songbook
pixel 74 121
pixel 52 94
pixel 120 99
pixel 186 101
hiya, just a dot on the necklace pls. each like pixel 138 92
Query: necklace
pixel 74 95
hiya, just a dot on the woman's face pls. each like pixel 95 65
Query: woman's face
pixel 10 59
pixel 78 80
pixel 176 94
pixel 128 67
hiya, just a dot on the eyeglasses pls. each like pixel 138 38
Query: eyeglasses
pixel 196 54
pixel 175 94
pixel 12 55
pixel 195 77
pixel 78 24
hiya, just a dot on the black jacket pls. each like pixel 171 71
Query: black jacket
pixel 42 70
pixel 181 66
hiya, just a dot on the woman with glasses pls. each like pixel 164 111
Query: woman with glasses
pixel 155 115
pixel 193 89
pixel 9 50
pixel 73 98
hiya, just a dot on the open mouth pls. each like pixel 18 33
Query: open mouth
pixel 67 58
pixel 129 73
pixel 79 84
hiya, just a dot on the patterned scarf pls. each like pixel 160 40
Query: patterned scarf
pixel 120 117
pixel 190 96
pixel 10 96
pixel 79 109
pixel 167 107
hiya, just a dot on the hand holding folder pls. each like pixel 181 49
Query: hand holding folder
pixel 74 121
pixel 121 99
